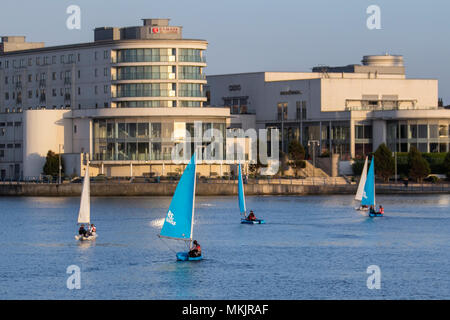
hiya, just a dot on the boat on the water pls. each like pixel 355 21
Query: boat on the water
pixel 242 206
pixel 179 222
pixel 360 191
pixel 368 197
pixel 84 214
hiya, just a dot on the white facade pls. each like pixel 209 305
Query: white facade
pixel 59 98
pixel 348 110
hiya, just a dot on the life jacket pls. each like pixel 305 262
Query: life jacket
pixel 381 210
pixel 198 248
pixel 94 229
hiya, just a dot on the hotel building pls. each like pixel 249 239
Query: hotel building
pixel 125 100
pixel 347 110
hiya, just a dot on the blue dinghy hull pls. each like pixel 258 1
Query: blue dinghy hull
pixel 375 215
pixel 184 256
pixel 257 221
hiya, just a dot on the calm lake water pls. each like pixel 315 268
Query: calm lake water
pixel 312 247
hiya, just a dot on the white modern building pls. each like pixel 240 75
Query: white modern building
pixel 347 110
pixel 118 99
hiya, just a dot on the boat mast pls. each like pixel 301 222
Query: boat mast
pixel 193 201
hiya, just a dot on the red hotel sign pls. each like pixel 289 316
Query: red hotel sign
pixel 164 30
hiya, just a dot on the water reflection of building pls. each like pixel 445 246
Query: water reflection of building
pixel 119 99
pixel 349 110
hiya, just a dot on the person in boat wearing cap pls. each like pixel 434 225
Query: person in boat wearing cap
pixel 381 210
pixel 196 251
pixel 251 216
pixel 82 230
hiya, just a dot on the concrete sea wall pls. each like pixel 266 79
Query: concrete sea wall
pixel 203 189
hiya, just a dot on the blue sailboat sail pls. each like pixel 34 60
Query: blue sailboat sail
pixel 241 194
pixel 179 220
pixel 368 197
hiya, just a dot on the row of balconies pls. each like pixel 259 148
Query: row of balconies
pixel 157 76
pixel 168 58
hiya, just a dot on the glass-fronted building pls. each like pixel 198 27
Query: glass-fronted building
pixel 346 110
pixel 118 100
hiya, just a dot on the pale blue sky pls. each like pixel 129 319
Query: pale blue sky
pixel 260 35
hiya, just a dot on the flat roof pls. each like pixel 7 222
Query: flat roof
pixel 95 44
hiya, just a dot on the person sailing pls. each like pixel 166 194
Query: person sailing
pixel 251 216
pixel 196 251
pixel 82 230
pixel 93 229
pixel 381 210
pixel 372 210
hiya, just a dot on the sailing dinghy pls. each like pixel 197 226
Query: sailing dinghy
pixel 368 197
pixel 360 191
pixel 179 222
pixel 242 206
pixel 84 214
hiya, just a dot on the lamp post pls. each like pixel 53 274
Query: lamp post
pixel 395 161
pixel 313 143
pixel 59 162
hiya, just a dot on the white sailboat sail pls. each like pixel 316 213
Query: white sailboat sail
pixel 362 182
pixel 84 215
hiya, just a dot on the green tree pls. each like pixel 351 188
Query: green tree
pixel 357 166
pixel 51 166
pixel 446 165
pixel 296 155
pixel 283 163
pixel 418 166
pixel 384 162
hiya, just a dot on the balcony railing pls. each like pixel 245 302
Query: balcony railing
pixel 383 105
pixel 143 58
pixel 192 76
pixel 192 58
pixel 144 93
pixel 189 93
pixel 144 76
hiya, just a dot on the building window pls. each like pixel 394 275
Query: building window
pixel 282 110
pixel 54 76
pixel 74 128
pixel 79 74
pixel 105 89
pixel 105 54
pixel 95 55
pixel 79 91
pixel 105 72
pixel 96 89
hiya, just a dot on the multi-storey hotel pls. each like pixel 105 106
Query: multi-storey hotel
pixel 347 110
pixel 119 99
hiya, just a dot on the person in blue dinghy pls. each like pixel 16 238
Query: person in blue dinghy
pixel 196 251
pixel 372 210
pixel 381 210
pixel 251 216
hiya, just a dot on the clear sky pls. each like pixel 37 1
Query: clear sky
pixel 261 35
